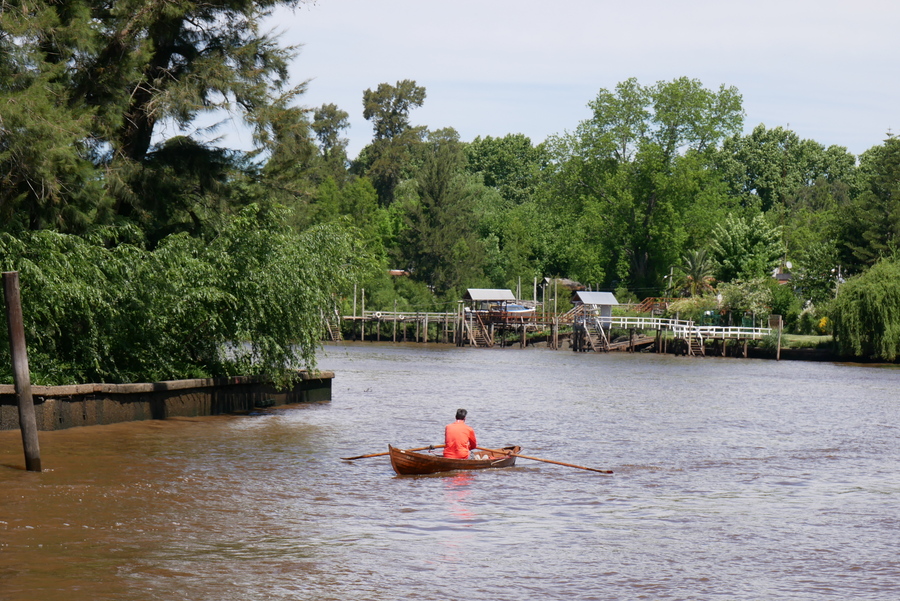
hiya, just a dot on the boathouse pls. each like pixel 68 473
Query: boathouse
pixel 599 304
pixel 476 326
pixel 592 319
pixel 480 299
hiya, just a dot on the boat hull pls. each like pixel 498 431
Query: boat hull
pixel 410 463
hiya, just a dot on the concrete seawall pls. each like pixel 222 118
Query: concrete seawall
pixel 61 407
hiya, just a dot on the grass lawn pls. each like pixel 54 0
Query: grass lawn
pixel 803 341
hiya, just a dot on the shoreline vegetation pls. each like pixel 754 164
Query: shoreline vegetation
pixel 144 247
pixel 794 348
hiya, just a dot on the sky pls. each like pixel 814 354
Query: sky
pixel 827 70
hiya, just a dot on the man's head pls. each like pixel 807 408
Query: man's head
pixel 461 414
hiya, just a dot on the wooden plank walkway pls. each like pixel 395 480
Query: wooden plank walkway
pixel 479 329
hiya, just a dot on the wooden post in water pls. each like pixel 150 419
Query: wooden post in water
pixel 555 315
pixel 21 376
pixel 775 321
pixel 780 326
pixel 395 320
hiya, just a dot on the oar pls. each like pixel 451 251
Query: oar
pixel 428 448
pixel 581 467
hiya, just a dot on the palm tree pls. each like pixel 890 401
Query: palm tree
pixel 694 275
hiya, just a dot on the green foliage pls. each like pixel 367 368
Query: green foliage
pixel 185 189
pixel 867 313
pixel 872 227
pixel 328 123
pixel 388 107
pixel 46 176
pixel 439 241
pixel 387 160
pixel 785 302
pixel 816 273
pixel 746 248
pixel 248 302
pixel 692 308
pixel 86 85
pixel 510 164
pixel 694 275
pixel 629 179
pixel 747 296
pixel 769 166
pixel 813 321
pixel 812 220
pixel 675 115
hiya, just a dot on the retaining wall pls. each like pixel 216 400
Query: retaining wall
pixel 61 407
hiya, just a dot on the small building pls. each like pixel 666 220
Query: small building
pixel 597 303
pixel 481 299
pixel 564 284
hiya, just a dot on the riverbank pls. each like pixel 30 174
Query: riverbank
pixel 820 352
pixel 62 407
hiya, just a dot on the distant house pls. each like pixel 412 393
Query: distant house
pixel 564 284
pixel 480 299
pixel 783 278
pixel 598 303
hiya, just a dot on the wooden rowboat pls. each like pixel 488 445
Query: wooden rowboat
pixel 410 463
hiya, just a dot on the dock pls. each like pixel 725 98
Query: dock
pixel 583 330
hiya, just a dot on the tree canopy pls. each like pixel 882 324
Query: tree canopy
pixel 88 85
pixel 105 176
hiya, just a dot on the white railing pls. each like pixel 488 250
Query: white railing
pixel 680 328
pixel 406 315
pixel 683 328
pixel 731 333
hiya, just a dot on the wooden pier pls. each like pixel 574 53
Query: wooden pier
pixel 585 330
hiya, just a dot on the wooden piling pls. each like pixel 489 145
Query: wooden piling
pixel 21 375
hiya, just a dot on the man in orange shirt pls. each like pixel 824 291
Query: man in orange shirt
pixel 459 437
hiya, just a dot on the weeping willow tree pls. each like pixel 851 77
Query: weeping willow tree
pixel 867 313
pixel 249 302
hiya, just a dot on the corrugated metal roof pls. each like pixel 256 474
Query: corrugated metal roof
pixel 595 298
pixel 489 294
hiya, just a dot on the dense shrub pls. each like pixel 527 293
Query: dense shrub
pixel 248 302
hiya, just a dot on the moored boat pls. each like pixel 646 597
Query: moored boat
pixel 410 463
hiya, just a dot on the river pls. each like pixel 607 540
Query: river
pixel 734 479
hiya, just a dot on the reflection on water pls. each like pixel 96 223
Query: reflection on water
pixel 456 491
pixel 735 479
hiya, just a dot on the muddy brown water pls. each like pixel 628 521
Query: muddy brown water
pixel 734 479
